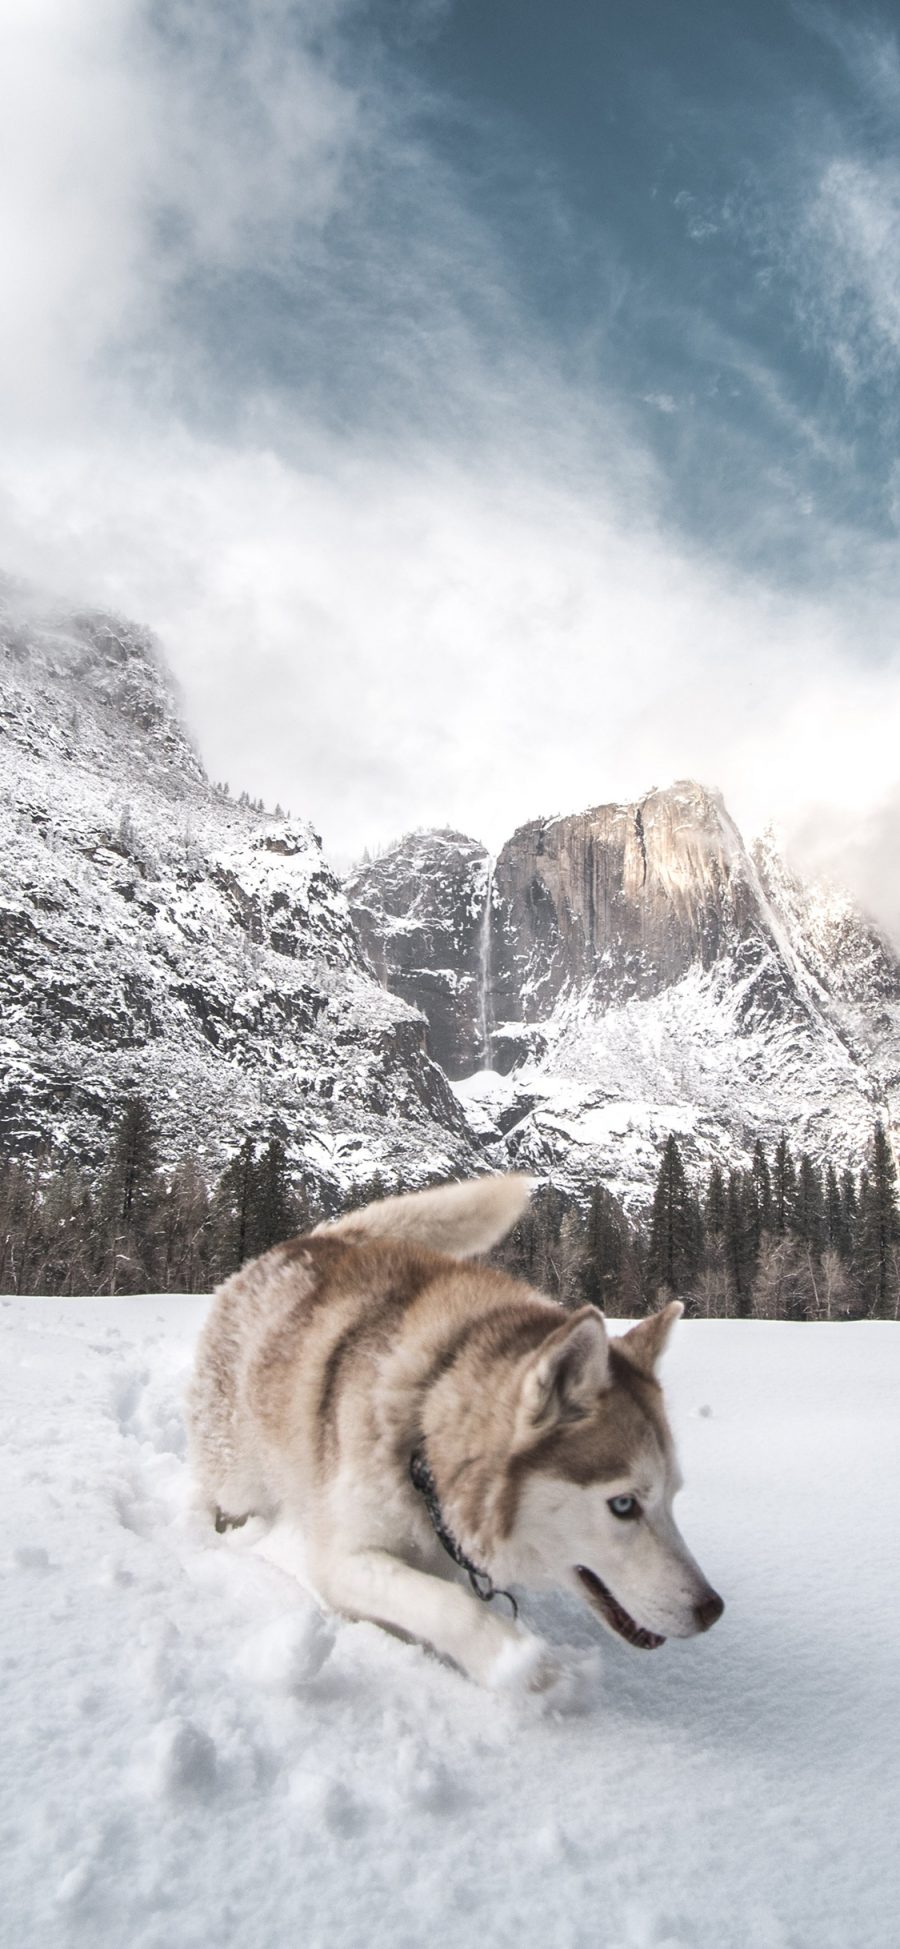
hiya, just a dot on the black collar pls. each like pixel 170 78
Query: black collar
pixel 481 1581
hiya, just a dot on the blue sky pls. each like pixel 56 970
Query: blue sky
pixel 641 198
pixel 493 406
pixel 660 178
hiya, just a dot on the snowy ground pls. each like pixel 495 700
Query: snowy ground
pixel 190 1756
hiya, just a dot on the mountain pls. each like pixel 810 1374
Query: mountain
pixel 157 937
pixel 421 912
pixel 610 977
pixel 634 970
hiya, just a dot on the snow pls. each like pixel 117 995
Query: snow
pixel 687 1061
pixel 154 929
pixel 723 992
pixel 192 1754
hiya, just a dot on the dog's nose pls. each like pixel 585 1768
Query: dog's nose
pixel 709 1612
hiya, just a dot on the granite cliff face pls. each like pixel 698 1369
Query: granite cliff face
pixel 155 936
pixel 623 900
pixel 635 969
pixel 419 912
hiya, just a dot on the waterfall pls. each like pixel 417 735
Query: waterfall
pixel 485 1008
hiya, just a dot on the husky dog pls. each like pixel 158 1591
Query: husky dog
pixel 396 1409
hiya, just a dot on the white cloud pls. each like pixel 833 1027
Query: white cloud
pixel 460 607
pixel 382 644
pixel 854 230
pixel 833 229
pixel 142 145
pixel 77 147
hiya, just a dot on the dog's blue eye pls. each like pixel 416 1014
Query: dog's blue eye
pixel 627 1508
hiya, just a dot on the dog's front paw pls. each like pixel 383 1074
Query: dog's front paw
pixel 561 1681
pixel 576 1686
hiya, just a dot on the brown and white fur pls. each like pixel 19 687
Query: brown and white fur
pixel 325 1364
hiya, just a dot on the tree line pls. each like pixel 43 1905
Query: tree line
pixel 784 1239
pixel 131 1227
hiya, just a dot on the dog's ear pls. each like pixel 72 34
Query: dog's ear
pixel 565 1375
pixel 645 1343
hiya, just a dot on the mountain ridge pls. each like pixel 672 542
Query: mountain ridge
pixel 649 974
pixel 609 978
pixel 159 937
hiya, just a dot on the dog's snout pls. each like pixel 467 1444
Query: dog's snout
pixel 710 1611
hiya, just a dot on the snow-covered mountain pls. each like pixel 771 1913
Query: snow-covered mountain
pixel 635 970
pixel 158 937
pixel 610 977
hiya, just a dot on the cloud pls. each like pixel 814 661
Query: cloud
pixel 389 644
pixel 701 219
pixel 276 390
pixel 77 147
pixel 856 847
pixel 145 148
pixel 853 227
pixel 830 226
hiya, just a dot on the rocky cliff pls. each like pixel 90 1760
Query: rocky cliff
pixel 635 969
pixel 420 914
pixel 612 976
pixel 155 936
pixel 622 899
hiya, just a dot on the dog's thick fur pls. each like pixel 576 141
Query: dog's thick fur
pixel 325 1364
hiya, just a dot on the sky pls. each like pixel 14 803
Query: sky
pixel 493 408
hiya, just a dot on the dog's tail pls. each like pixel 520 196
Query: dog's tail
pixel 459 1219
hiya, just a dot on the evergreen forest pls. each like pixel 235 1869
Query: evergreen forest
pixel 783 1239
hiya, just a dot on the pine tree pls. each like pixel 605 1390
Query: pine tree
pixel 129 1196
pixel 760 1197
pixel 68 1229
pixel 674 1249
pixel 808 1215
pixel 715 1202
pixel 134 1158
pixel 366 1191
pixel 849 1216
pixel 532 1249
pixel 879 1230
pixel 834 1217
pixel 19 1221
pixel 274 1214
pixel 784 1188
pixel 604 1240
pixel 233 1215
pixel 738 1237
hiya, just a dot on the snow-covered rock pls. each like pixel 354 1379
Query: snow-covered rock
pixel 420 913
pixel 157 937
pixel 635 970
